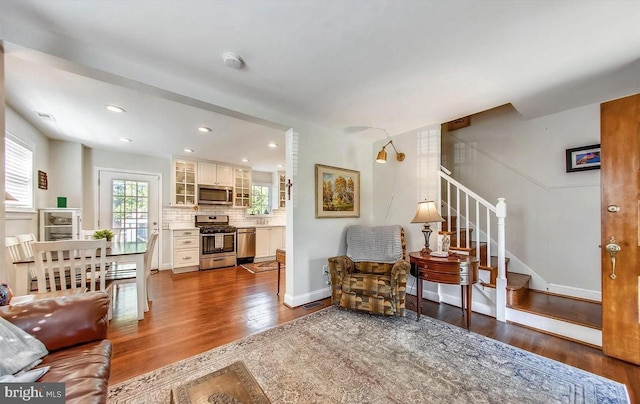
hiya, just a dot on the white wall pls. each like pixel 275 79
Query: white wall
pixel 65 173
pixel 311 241
pixel 399 186
pixel 553 222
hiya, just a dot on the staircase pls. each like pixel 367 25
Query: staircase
pixel 477 228
pixel 517 284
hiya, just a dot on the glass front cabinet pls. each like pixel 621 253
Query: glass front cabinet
pixel 242 187
pixel 184 182
pixel 60 224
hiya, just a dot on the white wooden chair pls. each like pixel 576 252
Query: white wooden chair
pixel 25 243
pixel 13 254
pixel 73 265
pixel 148 261
pixel 13 249
pixel 27 252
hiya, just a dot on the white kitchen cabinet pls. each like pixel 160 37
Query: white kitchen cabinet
pixel 184 183
pixel 242 187
pixel 215 174
pixel 185 248
pixel 268 240
pixel 60 224
pixel 279 190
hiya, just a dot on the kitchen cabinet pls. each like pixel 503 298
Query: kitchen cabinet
pixel 215 174
pixel 60 224
pixel 184 184
pixel 185 248
pixel 242 187
pixel 268 240
pixel 279 190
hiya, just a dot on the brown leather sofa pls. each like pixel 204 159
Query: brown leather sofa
pixel 74 330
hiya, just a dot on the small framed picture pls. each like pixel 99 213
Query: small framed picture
pixel 583 158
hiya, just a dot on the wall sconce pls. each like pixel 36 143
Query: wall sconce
pixel 427 213
pixel 382 154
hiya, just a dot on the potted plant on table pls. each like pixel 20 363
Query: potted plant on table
pixel 105 233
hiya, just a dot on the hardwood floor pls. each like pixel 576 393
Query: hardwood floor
pixel 194 312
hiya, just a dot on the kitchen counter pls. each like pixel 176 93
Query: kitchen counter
pixel 182 226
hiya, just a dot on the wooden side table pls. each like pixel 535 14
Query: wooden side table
pixel 452 270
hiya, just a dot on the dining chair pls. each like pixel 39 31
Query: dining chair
pixel 13 248
pixel 25 243
pixel 27 252
pixel 13 254
pixel 71 265
pixel 129 275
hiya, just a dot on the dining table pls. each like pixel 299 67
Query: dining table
pixel 118 253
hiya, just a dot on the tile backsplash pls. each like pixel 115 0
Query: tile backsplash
pixel 237 217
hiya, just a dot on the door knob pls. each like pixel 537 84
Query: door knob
pixel 613 248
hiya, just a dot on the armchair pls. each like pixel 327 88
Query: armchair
pixel 372 276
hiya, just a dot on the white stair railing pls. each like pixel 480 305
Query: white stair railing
pixel 487 222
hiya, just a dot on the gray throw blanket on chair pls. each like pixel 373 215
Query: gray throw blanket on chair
pixel 374 244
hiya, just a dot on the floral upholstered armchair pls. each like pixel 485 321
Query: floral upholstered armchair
pixel 372 276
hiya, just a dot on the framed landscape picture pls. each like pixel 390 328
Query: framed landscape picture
pixel 337 192
pixel 583 158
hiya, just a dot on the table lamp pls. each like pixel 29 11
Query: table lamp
pixel 427 213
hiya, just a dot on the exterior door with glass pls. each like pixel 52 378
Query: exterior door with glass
pixel 128 205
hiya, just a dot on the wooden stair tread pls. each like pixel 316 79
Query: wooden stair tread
pixel 563 308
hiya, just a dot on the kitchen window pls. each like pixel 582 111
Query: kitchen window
pixel 260 199
pixel 18 168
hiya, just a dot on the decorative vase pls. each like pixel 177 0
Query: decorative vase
pixel 5 294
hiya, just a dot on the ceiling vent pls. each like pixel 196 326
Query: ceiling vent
pixel 45 117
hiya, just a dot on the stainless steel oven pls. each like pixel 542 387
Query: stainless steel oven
pixel 217 242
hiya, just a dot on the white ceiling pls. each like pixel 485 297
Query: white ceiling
pixel 397 65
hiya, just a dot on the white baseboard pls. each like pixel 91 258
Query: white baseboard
pixel 295 301
pixel 575 292
pixel 569 330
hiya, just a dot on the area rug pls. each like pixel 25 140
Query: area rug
pixel 231 384
pixel 262 266
pixel 339 356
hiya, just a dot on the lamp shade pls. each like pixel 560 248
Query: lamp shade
pixel 382 156
pixel 427 212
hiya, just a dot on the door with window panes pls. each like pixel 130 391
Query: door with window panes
pixel 129 207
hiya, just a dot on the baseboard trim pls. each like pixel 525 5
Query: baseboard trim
pixel 299 300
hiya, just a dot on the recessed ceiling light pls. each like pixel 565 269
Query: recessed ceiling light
pixel 115 108
pixel 245 160
pixel 280 166
pixel 273 145
pixel 189 150
pixel 124 139
pixel 204 129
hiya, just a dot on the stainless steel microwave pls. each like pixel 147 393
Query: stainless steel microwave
pixel 215 195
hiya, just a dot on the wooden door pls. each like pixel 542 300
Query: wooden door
pixel 620 216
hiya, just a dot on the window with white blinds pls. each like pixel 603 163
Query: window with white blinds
pixel 18 177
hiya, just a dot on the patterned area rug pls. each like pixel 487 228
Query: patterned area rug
pixel 262 266
pixel 338 356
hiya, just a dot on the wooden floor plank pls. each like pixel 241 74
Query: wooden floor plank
pixel 194 312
